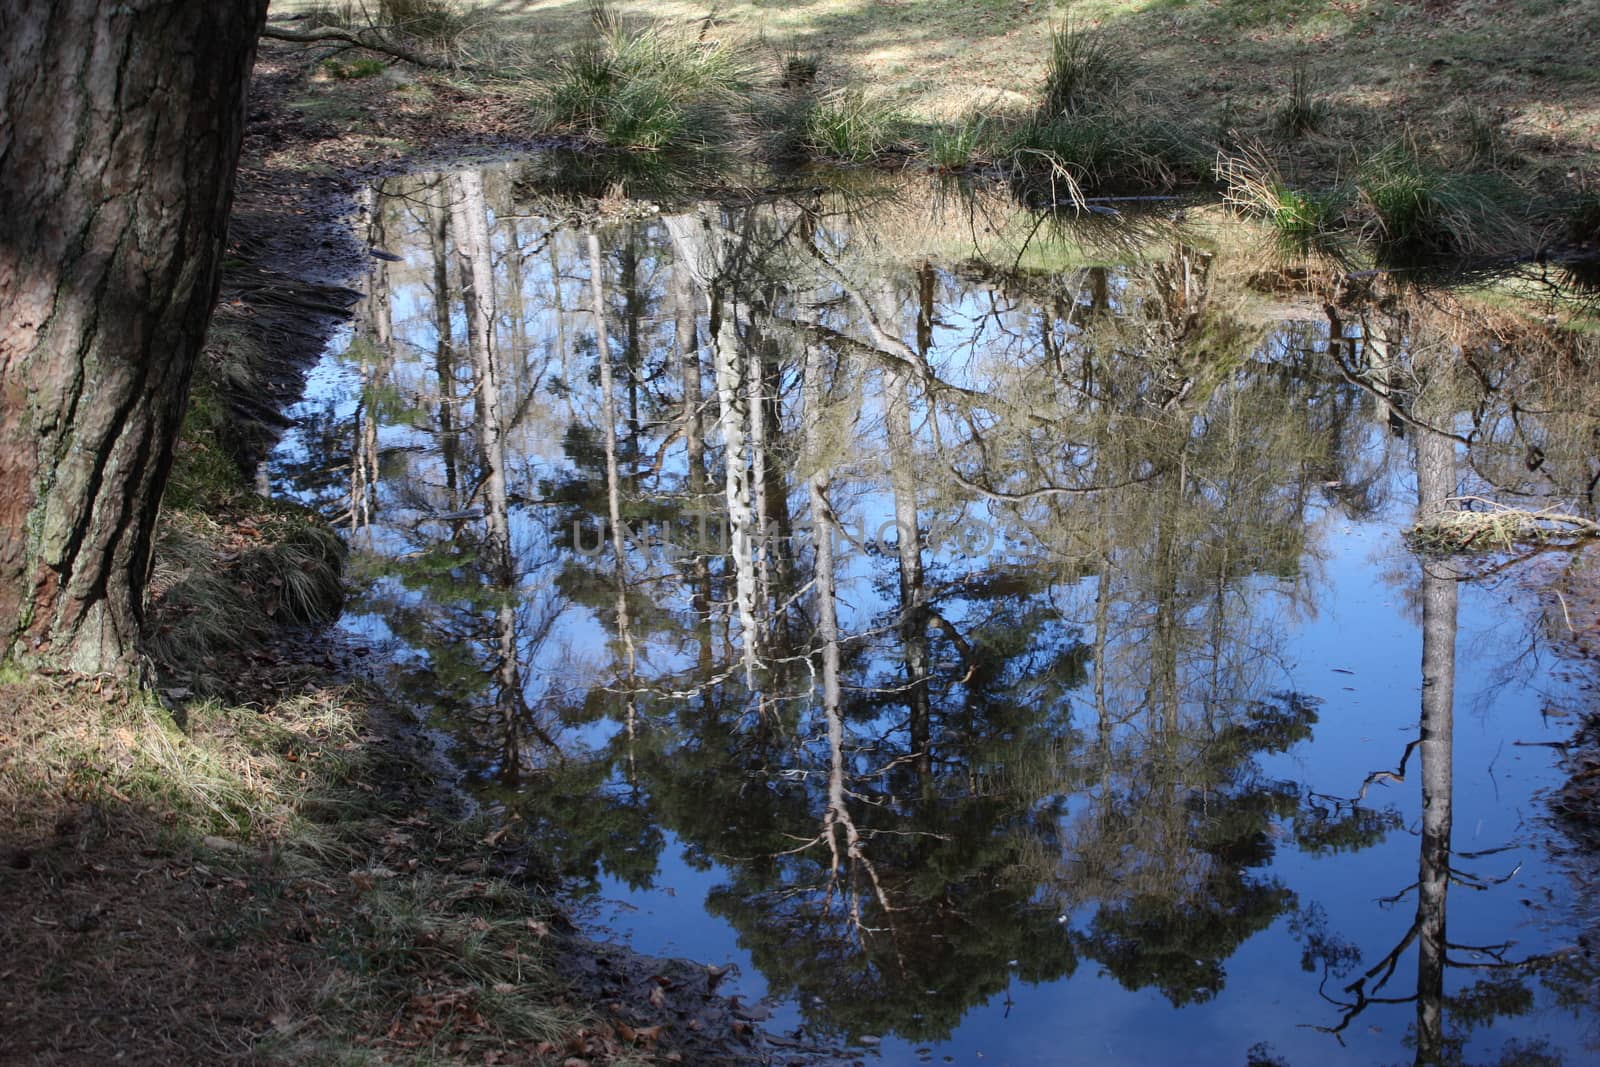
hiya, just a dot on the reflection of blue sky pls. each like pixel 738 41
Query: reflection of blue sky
pixel 1340 630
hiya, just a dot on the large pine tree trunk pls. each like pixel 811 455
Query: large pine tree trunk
pixel 120 125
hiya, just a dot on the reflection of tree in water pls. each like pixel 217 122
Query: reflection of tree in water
pixel 938 784
pixel 1417 369
pixel 928 767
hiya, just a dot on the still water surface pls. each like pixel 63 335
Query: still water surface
pixel 997 637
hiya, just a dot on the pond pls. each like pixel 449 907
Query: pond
pixel 998 634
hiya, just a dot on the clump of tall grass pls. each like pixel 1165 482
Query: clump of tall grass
pixel 1487 144
pixel 224 772
pixel 650 88
pixel 475 949
pixel 1086 127
pixel 1583 217
pixel 343 15
pixel 440 22
pixel 355 70
pixel 1087 68
pixel 850 124
pixel 953 146
pixel 1302 220
pixel 1488 526
pixel 215 587
pixel 1111 149
pixel 1415 208
pixel 800 69
pixel 1303 111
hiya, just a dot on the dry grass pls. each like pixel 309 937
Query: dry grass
pixel 1482 525
pixel 226 580
pixel 247 889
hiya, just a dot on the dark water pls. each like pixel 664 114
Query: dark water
pixel 999 638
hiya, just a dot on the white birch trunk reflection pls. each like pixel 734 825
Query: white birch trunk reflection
pixel 608 418
pixel 696 245
pixel 1436 484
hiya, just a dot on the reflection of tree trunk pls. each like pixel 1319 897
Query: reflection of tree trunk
pixel 1436 483
pixel 469 219
pixel 516 361
pixel 1375 332
pixel 444 367
pixel 694 444
pixel 755 397
pixel 913 586
pixel 1102 632
pixel 691 237
pixel 632 320
pixel 1099 290
pixel 778 545
pixel 726 358
pixel 378 318
pixel 563 340
pixel 837 822
pixel 608 416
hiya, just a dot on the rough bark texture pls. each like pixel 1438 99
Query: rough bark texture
pixel 120 125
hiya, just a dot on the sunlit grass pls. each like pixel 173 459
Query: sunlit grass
pixel 1414 206
pixel 650 87
pixel 852 124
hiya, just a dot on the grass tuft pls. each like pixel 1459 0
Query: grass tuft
pixel 1488 526
pixel 231 771
pixel 1303 111
pixel 851 124
pixel 650 89
pixel 955 146
pixel 1414 208
pixel 355 70
pixel 1086 70
pixel 1111 150
pixel 800 69
pixel 1583 218
pixel 1087 131
pixel 1301 220
pixel 440 22
pixel 217 586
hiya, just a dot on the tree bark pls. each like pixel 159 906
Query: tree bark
pixel 120 126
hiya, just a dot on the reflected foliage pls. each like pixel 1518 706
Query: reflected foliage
pixel 935 595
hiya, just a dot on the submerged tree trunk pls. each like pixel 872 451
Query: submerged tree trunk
pixel 120 133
